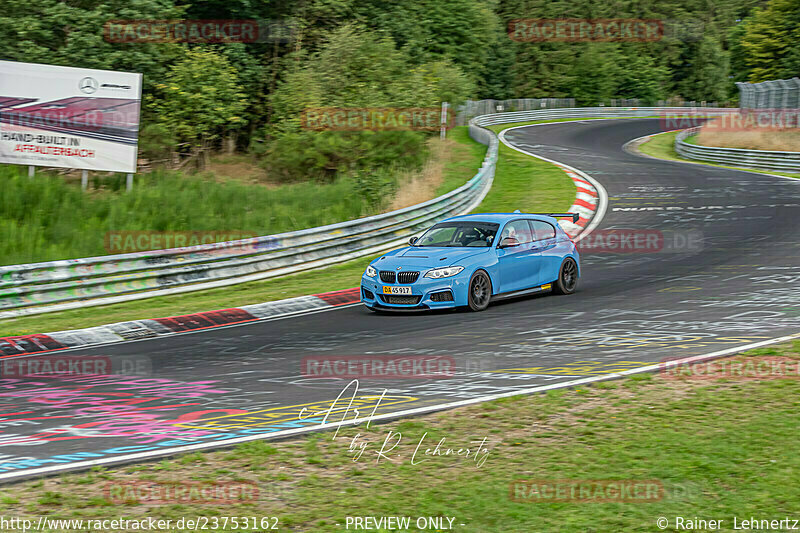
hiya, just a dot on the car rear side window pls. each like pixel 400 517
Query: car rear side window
pixel 542 230
pixel 519 230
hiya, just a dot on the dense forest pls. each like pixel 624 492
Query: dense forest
pixel 249 96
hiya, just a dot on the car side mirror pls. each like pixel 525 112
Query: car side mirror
pixel 413 240
pixel 508 242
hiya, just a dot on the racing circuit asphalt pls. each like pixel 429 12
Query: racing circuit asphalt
pixel 739 286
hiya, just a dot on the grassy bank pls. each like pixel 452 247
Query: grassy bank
pixel 527 183
pixel 49 217
pixel 716 457
pixel 662 146
pixel 45 218
pixel 721 132
pixel 521 182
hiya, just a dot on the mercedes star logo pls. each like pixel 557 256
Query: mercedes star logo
pixel 88 85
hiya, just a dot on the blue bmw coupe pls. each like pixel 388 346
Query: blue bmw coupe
pixel 472 260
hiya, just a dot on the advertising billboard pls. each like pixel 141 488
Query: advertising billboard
pixel 67 117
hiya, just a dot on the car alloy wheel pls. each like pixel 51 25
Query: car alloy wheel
pixel 480 291
pixel 568 277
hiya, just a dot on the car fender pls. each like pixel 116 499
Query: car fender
pixel 574 255
pixel 486 262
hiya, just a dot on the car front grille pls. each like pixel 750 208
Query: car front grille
pixel 388 276
pixel 367 293
pixel 400 300
pixel 407 277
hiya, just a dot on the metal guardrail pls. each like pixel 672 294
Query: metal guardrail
pixel 146 274
pixel 773 94
pixel 600 112
pixel 474 108
pixel 57 285
pixel 737 157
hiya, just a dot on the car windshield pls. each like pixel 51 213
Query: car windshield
pixel 459 234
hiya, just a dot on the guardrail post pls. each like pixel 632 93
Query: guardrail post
pixel 84 179
pixel 129 182
pixel 31 171
pixel 443 123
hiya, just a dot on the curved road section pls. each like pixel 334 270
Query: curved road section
pixel 688 260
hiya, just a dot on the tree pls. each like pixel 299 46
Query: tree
pixel 460 31
pixel 360 68
pixel 200 99
pixel 71 34
pixel 706 72
pixel 641 76
pixel 771 41
pixel 596 71
pixel 355 67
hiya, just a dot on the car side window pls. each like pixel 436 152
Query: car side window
pixel 519 230
pixel 542 230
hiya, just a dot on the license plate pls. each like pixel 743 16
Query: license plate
pixel 397 290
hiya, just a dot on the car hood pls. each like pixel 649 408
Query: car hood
pixel 425 257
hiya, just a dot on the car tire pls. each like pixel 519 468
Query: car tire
pixel 567 277
pixel 479 291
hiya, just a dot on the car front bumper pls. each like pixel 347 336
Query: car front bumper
pixel 423 290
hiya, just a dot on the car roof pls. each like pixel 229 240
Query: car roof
pixel 498 218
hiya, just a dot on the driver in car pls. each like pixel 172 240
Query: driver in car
pixel 509 232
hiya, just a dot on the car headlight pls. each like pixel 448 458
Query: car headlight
pixel 371 272
pixel 445 272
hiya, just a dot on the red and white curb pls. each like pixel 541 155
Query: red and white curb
pixel 586 200
pixel 134 330
pixel 591 199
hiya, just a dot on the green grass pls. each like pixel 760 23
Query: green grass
pixel 521 182
pixel 715 455
pixel 467 158
pixel 528 184
pixel 662 146
pixel 46 218
pixel 49 217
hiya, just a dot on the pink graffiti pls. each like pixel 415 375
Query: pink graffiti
pixel 163 387
pixel 147 428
